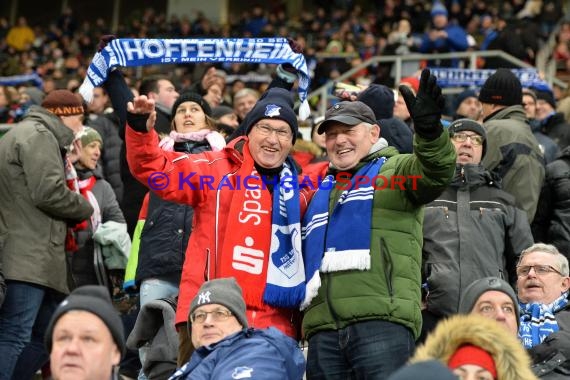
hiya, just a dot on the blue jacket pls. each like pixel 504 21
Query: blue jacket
pixel 248 354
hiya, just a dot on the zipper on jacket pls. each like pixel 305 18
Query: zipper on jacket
pixel 207 267
pixel 387 267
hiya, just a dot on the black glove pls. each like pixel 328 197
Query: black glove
pixel 105 39
pixel 137 121
pixel 425 108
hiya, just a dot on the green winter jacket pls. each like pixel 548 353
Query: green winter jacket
pixel 515 156
pixel 390 290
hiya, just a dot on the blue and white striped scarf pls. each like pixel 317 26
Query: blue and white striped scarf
pixel 16 80
pixel 285 285
pixel 538 321
pixel 341 242
pixel 129 52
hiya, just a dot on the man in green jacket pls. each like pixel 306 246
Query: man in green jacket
pixel 362 237
pixel 36 206
pixel 512 151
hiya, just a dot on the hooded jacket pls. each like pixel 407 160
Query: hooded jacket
pixel 259 354
pixel 511 360
pixel 35 203
pixel 515 156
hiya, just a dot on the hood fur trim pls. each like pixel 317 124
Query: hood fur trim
pixel 511 359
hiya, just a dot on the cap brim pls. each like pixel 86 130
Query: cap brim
pixel 344 119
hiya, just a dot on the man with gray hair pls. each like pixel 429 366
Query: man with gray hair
pixel 543 285
pixel 363 233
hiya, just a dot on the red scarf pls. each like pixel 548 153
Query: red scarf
pixel 245 250
pixel 87 185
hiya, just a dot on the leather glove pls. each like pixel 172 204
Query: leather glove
pixel 425 108
pixel 105 39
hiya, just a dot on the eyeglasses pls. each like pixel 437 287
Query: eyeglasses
pixel 462 137
pixel 266 130
pixel 539 270
pixel 217 316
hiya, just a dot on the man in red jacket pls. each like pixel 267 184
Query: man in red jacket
pixel 247 210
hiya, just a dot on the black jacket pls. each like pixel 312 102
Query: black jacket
pixel 551 358
pixel 556 127
pixel 552 221
pixel 166 231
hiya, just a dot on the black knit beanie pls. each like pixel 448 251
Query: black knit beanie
pixel 503 87
pixel 94 299
pixel 380 99
pixel 547 97
pixel 275 103
pixel 192 97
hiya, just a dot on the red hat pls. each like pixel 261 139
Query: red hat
pixel 474 355
pixel 413 82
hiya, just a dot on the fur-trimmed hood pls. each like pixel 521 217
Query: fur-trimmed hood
pixel 511 359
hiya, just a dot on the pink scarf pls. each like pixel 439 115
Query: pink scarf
pixel 216 140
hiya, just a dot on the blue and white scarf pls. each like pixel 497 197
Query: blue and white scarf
pixel 538 321
pixel 341 242
pixel 285 272
pixel 16 80
pixel 128 52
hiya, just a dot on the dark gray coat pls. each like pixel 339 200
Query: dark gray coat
pixel 473 230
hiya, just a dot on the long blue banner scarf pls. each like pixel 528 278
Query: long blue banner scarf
pixel 343 241
pixel 16 80
pixel 538 321
pixel 448 77
pixel 128 52
pixel 285 273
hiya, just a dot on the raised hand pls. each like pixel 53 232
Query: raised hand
pixel 425 108
pixel 105 39
pixel 141 109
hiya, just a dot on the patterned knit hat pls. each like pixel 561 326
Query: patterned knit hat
pixel 63 103
pixel 88 135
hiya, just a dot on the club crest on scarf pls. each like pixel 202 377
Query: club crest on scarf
pixel 272 110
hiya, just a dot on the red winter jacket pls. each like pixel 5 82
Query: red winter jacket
pixel 211 207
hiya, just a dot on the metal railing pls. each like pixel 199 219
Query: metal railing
pixel 325 93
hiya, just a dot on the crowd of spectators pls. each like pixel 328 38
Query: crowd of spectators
pixel 333 40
